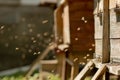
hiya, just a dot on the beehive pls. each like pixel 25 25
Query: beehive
pixel 114 28
pixel 76 27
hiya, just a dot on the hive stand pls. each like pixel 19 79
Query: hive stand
pixel 102 72
pixel 40 60
pixel 74 26
pixel 104 66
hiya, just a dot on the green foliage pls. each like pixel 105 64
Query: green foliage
pixel 13 78
pixel 20 76
pixel 53 77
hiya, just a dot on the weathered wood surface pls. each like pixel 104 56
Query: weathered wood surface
pixel 61 65
pixel 113 68
pixel 114 35
pixel 114 29
pixel 99 5
pixel 48 61
pixel 66 24
pixel 40 57
pixel 58 24
pixel 82 74
pixel 48 1
pixel 106 34
pixel 114 50
pixel 114 25
pixel 81 24
pixel 101 71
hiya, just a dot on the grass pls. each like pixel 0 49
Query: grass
pixel 20 76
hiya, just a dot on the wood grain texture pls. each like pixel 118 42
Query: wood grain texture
pixel 100 72
pixel 114 50
pixel 113 68
pixel 99 5
pixel 106 33
pixel 66 25
pixel 83 73
pixel 58 24
pixel 114 34
pixel 81 25
pixel 114 26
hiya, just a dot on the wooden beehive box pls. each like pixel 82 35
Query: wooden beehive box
pixel 114 28
pixel 81 24
pixel 74 25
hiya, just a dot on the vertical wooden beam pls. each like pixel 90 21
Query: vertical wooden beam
pixel 58 24
pixel 106 33
pixel 66 24
pixel 61 65
pixel 75 69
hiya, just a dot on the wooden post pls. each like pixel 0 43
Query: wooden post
pixel 66 24
pixel 75 69
pixel 58 24
pixel 106 34
pixel 61 65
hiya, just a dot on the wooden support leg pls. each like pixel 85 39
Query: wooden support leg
pixel 68 71
pixel 83 73
pixel 61 65
pixel 118 77
pixel 40 71
pixel 106 76
pixel 75 69
pixel 72 73
pixel 75 66
pixel 101 71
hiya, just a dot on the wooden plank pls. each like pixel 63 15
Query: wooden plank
pixel 61 65
pixel 113 68
pixel 112 4
pixel 98 47
pixel 98 27
pixel 42 56
pixel 106 76
pixel 69 62
pixel 82 44
pixel 99 6
pixel 83 73
pixel 114 50
pixel 114 29
pixel 106 34
pixel 81 25
pixel 66 24
pixel 48 1
pixel 75 69
pixel 48 61
pixel 72 72
pixel 81 5
pixel 100 72
pixel 58 23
